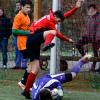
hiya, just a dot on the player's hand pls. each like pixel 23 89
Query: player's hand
pixel 71 41
pixel 99 49
pixel 79 3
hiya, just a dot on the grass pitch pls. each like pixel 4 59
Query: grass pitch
pixel 79 89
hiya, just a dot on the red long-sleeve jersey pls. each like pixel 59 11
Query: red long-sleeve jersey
pixel 48 23
pixel 69 13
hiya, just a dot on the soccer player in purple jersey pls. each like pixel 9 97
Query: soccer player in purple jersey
pixel 43 87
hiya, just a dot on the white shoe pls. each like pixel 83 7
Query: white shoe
pixel 86 58
pixel 22 86
pixel 4 66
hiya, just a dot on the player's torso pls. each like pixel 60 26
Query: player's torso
pixel 38 85
pixel 43 24
pixel 24 24
pixel 43 82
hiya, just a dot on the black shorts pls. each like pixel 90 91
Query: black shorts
pixel 34 42
pixel 32 55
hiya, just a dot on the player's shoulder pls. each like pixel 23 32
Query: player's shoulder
pixel 19 15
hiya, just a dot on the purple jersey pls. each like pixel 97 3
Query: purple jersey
pixel 47 81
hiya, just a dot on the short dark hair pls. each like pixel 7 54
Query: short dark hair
pixel 59 14
pixel 18 1
pixel 45 94
pixel 92 5
pixel 24 2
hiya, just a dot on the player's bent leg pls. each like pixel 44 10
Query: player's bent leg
pixel 31 78
pixel 48 37
pixel 22 82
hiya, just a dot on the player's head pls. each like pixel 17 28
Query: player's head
pixel 26 6
pixel 45 94
pixel 92 9
pixel 59 16
pixel 1 12
pixel 18 5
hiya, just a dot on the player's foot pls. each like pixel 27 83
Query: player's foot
pixel 86 58
pixel 26 95
pixel 5 66
pixel 22 86
pixel 48 46
pixel 98 70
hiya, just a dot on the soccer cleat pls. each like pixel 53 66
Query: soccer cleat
pixel 22 86
pixel 86 58
pixel 48 46
pixel 26 95
pixel 98 70
pixel 4 66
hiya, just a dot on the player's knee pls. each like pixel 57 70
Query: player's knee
pixel 54 32
pixel 35 66
pixel 28 67
pixel 35 70
pixel 46 33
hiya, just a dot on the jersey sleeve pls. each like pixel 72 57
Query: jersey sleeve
pixel 69 13
pixel 62 37
pixel 17 22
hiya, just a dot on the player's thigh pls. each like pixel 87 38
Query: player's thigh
pixel 54 32
pixel 24 53
pixel 35 40
pixel 34 59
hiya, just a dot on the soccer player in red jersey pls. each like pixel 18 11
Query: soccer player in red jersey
pixel 43 31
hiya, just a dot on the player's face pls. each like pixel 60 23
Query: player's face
pixel 58 20
pixel 26 9
pixel 91 11
pixel 1 12
pixel 18 6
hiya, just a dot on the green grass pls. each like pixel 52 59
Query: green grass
pixel 78 89
pixel 76 95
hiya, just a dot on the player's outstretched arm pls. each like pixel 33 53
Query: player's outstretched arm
pixel 77 67
pixel 64 38
pixel 72 11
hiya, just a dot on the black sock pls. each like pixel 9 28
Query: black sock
pixel 25 76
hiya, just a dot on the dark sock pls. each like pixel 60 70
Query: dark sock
pixel 25 76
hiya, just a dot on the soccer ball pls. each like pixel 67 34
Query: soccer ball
pixel 57 94
pixel 55 91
